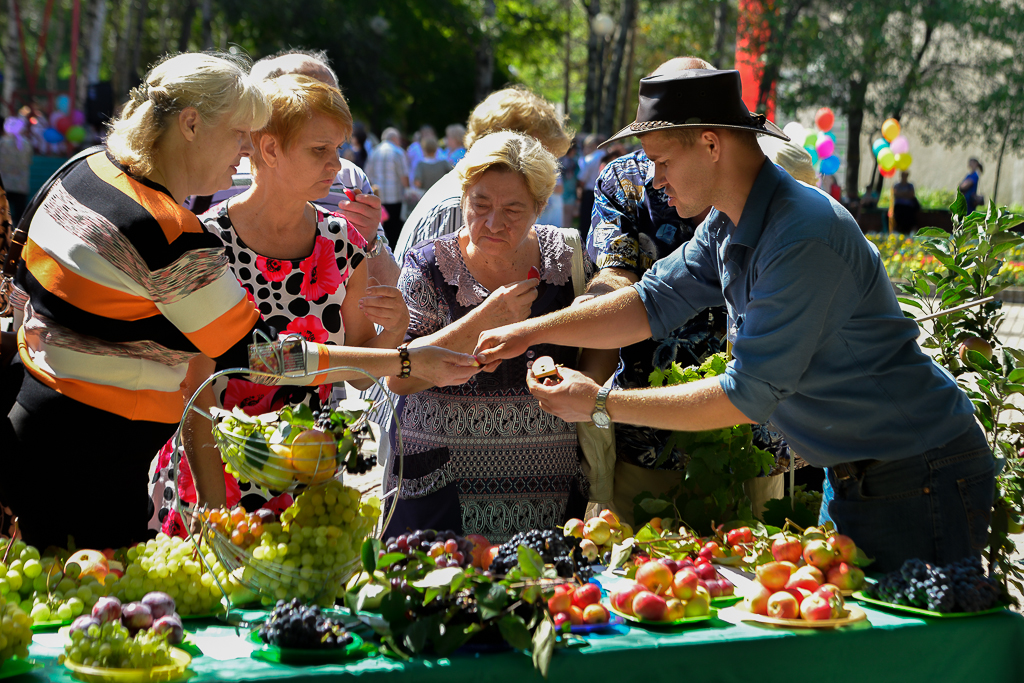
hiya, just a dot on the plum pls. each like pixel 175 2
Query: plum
pixel 159 603
pixel 172 626
pixel 83 623
pixel 136 616
pixel 107 609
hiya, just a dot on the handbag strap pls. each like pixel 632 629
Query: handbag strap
pixel 19 236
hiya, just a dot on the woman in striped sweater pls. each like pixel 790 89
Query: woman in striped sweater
pixel 120 288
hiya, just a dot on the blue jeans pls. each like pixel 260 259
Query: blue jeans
pixel 935 506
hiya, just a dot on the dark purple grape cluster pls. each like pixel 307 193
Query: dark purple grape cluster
pixel 303 627
pixel 958 587
pixel 550 545
pixel 447 548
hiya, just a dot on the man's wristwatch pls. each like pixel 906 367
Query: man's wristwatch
pixel 600 416
pixel 378 246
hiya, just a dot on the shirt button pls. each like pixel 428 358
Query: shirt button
pixel 926 489
pixel 530 353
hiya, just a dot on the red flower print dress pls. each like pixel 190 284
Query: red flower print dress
pixel 302 296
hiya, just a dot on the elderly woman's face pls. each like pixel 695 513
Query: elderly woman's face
pixel 311 163
pixel 499 211
pixel 219 149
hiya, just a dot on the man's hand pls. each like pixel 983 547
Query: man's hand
pixel 571 399
pixel 363 213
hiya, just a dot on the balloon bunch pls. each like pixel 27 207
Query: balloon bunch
pixel 65 125
pixel 819 143
pixel 892 150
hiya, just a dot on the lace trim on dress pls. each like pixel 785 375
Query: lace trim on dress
pixel 555 264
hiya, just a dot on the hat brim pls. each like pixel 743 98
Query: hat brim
pixel 769 128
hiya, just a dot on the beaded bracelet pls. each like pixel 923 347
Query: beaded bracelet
pixel 403 355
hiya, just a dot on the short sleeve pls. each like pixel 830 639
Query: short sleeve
pixel 427 311
pixel 613 240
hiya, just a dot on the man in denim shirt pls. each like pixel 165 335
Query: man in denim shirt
pixel 819 342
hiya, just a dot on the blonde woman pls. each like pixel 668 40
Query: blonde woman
pixel 484 458
pixel 119 289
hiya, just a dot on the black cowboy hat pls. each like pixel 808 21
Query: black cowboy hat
pixel 694 98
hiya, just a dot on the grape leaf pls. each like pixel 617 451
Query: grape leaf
pixel 543 647
pixel 513 630
pixel 491 600
pixel 390 559
pixel 530 562
pixel 371 548
pixel 438 578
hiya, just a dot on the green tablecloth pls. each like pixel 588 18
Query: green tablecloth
pixel 887 648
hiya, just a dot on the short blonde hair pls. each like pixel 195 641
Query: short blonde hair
pixel 520 110
pixel 213 84
pixel 515 152
pixel 295 99
pixel 792 157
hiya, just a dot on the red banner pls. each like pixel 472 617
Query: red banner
pixel 752 34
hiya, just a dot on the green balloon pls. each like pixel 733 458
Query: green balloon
pixel 75 134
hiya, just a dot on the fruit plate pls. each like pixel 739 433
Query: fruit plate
pixel 860 595
pixel 737 614
pixel 613 621
pixel 678 622
pixel 725 601
pixel 16 667
pixel 288 655
pixel 42 626
pixel 178 671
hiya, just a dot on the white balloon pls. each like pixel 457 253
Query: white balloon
pixel 795 130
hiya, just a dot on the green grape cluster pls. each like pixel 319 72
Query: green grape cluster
pixel 110 646
pixel 314 547
pixel 810 499
pixel 172 565
pixel 15 630
pixel 40 586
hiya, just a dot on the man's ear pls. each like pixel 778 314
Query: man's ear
pixel 188 119
pixel 712 144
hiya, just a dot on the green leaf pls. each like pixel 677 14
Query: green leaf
pixel 491 599
pixel 861 559
pixel 958 208
pixel 621 552
pixel 451 637
pixel 371 548
pixel 532 594
pixel 909 302
pixel 430 594
pixel 543 647
pixel 530 562
pixel 390 559
pixel 438 578
pixel 655 506
pixel 418 632
pixel 513 630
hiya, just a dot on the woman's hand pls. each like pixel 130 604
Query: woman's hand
pixel 509 303
pixel 363 213
pixel 441 367
pixel 385 306
pixel 571 399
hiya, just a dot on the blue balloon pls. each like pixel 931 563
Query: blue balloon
pixel 830 165
pixel 878 145
pixel 52 135
pixel 63 103
pixel 814 154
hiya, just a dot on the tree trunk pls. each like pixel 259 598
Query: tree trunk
pixel 187 15
pixel 772 59
pixel 568 55
pixel 207 25
pixel 163 26
pixel 999 163
pixel 606 117
pixel 628 90
pixel 121 84
pixel 854 122
pixel 134 75
pixel 55 46
pixel 485 53
pixel 595 52
pixel 721 32
pixel 12 62
pixel 95 58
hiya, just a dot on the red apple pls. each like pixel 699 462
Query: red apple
pixel 561 618
pixel 782 605
pixel 773 575
pixel 561 601
pixel 622 599
pixel 807 577
pixel 846 576
pixel 756 600
pixel 787 549
pixel 815 608
pixel 649 606
pixel 685 583
pixel 699 605
pixel 819 554
pixel 714 588
pixel 798 593
pixel 576 616
pixel 597 530
pixel 670 563
pixel 595 614
pixel 738 536
pixel 706 571
pixel 675 609
pixel 574 528
pixel 844 546
pixel 586 595
pixel 655 577
pixel 92 563
pixel 611 518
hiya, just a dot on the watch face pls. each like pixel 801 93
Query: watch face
pixel 600 418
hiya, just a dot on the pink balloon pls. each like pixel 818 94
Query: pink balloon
pixel 900 145
pixel 77 118
pixel 825 147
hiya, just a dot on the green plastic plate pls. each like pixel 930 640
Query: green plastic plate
pixel 285 655
pixel 679 622
pixel 16 667
pixel 860 595
pixel 725 600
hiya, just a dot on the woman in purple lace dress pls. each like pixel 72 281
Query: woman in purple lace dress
pixel 484 458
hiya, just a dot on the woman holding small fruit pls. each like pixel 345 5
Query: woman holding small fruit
pixel 483 458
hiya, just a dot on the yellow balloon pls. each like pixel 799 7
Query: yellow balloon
pixel 890 129
pixel 903 161
pixel 886 159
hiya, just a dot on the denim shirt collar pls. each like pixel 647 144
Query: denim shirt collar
pixel 748 232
